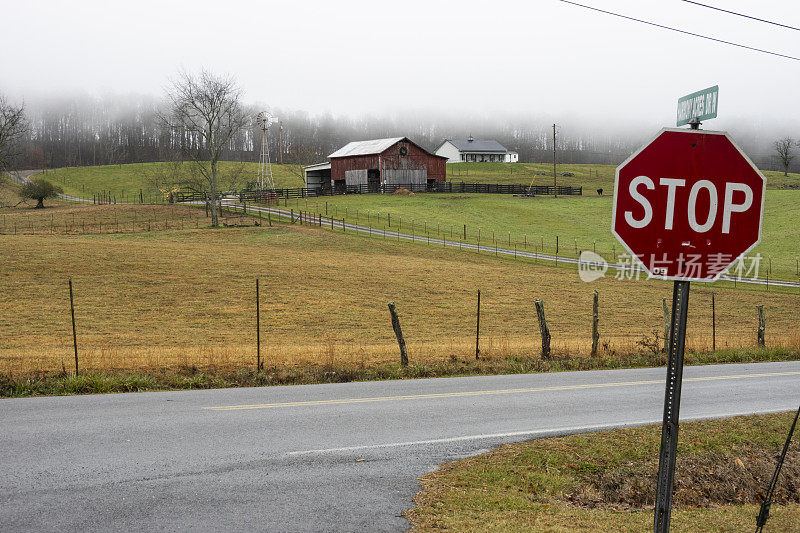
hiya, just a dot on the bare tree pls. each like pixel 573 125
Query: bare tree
pixel 785 154
pixel 298 155
pixel 13 127
pixel 206 111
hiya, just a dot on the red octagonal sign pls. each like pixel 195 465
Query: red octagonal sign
pixel 688 204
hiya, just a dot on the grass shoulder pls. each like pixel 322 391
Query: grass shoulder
pixel 188 377
pixel 606 481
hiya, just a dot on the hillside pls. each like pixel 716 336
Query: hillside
pixel 125 182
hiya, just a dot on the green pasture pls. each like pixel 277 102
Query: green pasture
pixel 589 176
pixel 579 223
pixel 126 181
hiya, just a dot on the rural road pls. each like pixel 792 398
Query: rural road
pixel 339 457
pixel 23 176
pixel 496 249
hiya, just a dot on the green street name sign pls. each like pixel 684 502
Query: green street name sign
pixel 700 105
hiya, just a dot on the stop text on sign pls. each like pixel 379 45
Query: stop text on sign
pixel 702 189
pixel 688 204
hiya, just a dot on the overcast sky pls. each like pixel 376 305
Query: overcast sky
pixel 527 58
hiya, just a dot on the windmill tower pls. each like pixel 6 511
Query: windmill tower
pixel 264 120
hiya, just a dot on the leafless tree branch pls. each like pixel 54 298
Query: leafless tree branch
pixel 785 154
pixel 205 110
pixel 13 127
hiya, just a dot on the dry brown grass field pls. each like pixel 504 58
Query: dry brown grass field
pixel 69 218
pixel 177 298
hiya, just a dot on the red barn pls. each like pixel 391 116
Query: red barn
pixel 395 161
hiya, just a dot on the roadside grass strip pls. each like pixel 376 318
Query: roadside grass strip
pixel 606 481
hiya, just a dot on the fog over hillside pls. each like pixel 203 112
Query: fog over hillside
pixel 91 76
pixel 87 130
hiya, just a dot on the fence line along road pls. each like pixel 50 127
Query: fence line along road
pixel 340 224
pixel 233 203
pixel 437 187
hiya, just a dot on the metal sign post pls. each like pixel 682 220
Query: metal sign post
pixel 672 405
pixel 687 205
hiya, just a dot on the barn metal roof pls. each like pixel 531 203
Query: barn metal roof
pixel 374 146
pixel 318 166
pixel 477 145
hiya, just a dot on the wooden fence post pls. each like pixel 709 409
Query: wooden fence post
pixel 667 311
pixel 399 334
pixel 762 325
pixel 478 328
pixel 713 322
pixel 595 323
pixel 545 331
pixel 259 365
pixel 74 334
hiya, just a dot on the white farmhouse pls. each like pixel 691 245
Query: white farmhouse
pixel 473 150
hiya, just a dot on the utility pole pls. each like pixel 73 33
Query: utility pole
pixel 554 161
pixel 280 124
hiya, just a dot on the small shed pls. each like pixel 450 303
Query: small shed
pixel 317 176
pixel 392 161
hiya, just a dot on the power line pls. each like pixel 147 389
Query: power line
pixel 742 15
pixel 681 31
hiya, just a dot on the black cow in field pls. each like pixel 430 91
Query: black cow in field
pixel 600 192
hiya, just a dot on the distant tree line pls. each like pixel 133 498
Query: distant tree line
pixel 79 131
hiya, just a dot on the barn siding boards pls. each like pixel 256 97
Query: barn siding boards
pixel 340 165
pixel 417 163
pixel 355 177
pixel 403 177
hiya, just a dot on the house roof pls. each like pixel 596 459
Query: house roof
pixel 477 145
pixel 374 146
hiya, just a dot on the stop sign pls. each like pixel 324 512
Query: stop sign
pixel 688 204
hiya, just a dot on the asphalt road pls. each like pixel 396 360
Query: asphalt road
pixel 314 458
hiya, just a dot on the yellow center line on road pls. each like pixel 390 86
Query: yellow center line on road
pixel 464 394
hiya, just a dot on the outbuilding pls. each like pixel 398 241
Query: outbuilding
pixel 377 162
pixel 318 176
pixel 473 150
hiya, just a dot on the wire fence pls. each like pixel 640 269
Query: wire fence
pixel 266 195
